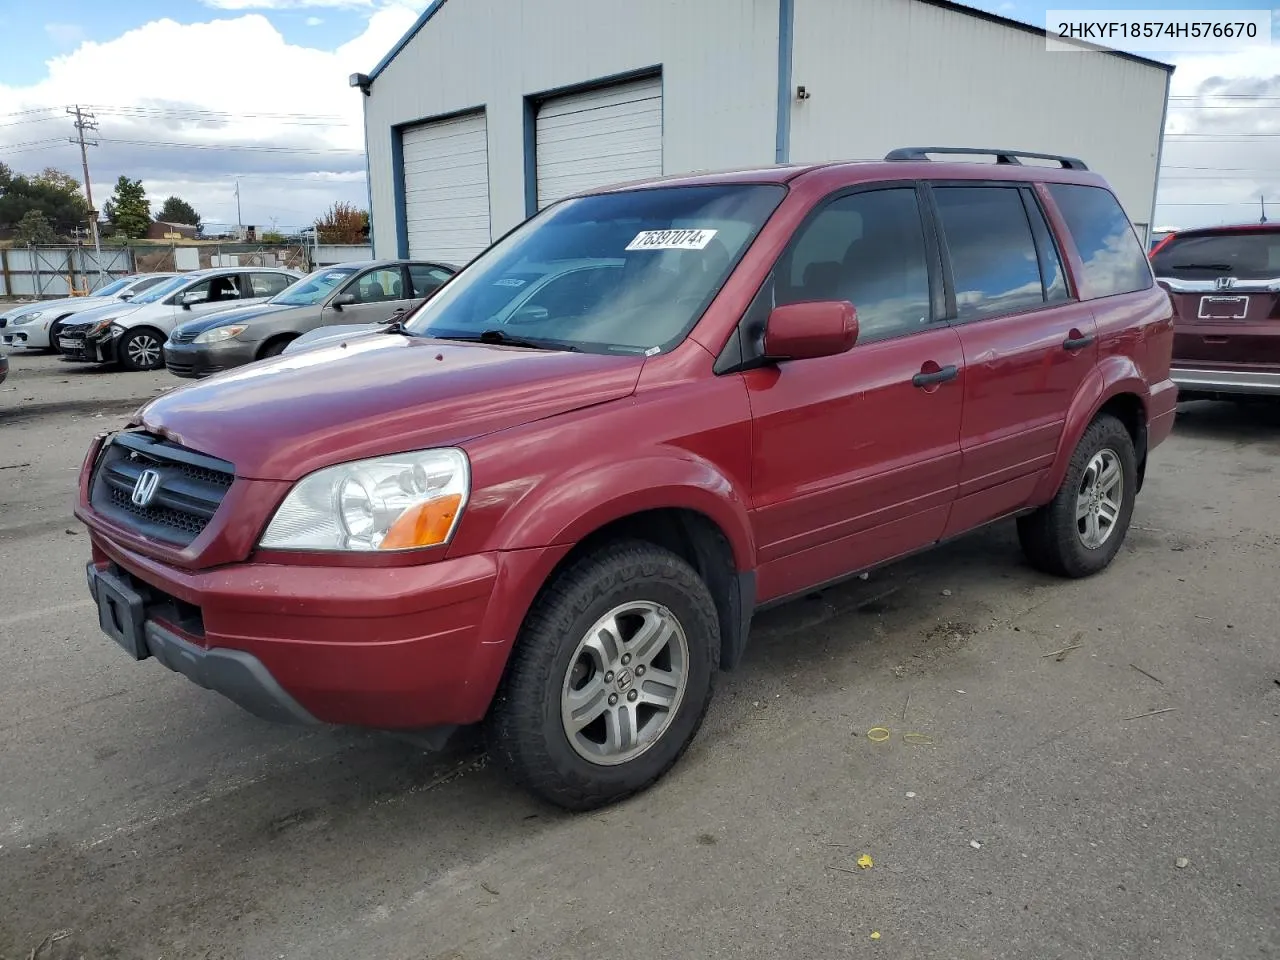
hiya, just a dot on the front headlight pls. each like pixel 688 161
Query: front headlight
pixel 401 502
pixel 101 327
pixel 218 334
pixel 28 318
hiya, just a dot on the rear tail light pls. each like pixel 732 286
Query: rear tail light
pixel 1160 246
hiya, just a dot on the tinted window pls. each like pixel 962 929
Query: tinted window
pixel 994 265
pixel 1113 258
pixel 869 249
pixel 426 280
pixel 146 284
pixel 1053 277
pixel 1243 254
pixel 269 284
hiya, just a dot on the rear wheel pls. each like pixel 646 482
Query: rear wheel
pixel 141 350
pixel 1079 532
pixel 610 678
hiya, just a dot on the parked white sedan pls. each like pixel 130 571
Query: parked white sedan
pixel 35 325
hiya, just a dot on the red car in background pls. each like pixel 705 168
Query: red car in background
pixel 1225 286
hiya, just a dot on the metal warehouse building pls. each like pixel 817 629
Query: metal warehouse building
pixel 488 110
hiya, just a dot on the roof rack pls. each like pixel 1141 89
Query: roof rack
pixel 1002 156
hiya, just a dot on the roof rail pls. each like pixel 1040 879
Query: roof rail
pixel 1002 156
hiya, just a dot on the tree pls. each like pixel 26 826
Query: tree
pixel 52 193
pixel 343 223
pixel 33 228
pixel 128 209
pixel 177 210
pixel 273 236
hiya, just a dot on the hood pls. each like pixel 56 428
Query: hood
pixel 234 315
pixel 282 418
pixel 336 332
pixel 115 309
pixel 60 304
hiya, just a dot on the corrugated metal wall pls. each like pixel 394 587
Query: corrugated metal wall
pixel 895 73
pixel 719 73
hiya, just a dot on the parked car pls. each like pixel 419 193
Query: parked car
pixel 37 326
pixel 537 287
pixel 4 368
pixel 562 524
pixel 133 334
pixel 1225 286
pixel 379 290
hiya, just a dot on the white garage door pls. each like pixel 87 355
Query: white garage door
pixel 446 188
pixel 602 136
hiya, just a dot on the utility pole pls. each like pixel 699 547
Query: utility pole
pixel 85 121
pixel 239 219
pixel 1263 200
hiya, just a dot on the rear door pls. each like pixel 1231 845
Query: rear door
pixel 1225 287
pixel 855 457
pixel 1028 345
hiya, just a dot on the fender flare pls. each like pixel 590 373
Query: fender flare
pixel 655 481
pixel 1113 376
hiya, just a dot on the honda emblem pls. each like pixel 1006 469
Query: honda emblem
pixel 144 488
pixel 1224 283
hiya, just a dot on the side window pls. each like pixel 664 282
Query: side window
pixel 146 284
pixel 268 284
pixel 994 265
pixel 867 248
pixel 1052 275
pixel 197 293
pixel 426 280
pixel 1113 258
pixel 224 288
pixel 378 285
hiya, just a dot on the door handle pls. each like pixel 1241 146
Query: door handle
pixel 1077 343
pixel 941 375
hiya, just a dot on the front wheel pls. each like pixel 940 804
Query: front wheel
pixel 1079 531
pixel 141 350
pixel 610 678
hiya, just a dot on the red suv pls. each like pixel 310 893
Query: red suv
pixel 553 499
pixel 1225 287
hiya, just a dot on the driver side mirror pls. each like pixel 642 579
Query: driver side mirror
pixel 126 295
pixel 529 314
pixel 806 331
pixel 343 300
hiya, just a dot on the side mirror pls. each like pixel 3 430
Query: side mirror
pixel 529 314
pixel 342 300
pixel 126 296
pixel 805 331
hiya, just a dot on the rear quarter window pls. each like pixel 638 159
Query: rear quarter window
pixel 1113 259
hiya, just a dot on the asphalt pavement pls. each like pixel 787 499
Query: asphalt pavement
pixel 1035 768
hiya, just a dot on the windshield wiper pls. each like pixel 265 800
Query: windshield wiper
pixel 505 339
pixel 1201 266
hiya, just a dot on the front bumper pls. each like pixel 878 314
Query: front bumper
pixel 389 647
pixel 78 348
pixel 1232 381
pixel 28 336
pixel 204 359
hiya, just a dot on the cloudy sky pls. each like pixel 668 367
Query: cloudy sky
pixel 191 94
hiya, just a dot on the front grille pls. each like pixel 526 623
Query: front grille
pixel 190 488
pixel 184 336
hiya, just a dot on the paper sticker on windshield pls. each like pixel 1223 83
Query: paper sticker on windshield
pixel 509 282
pixel 671 240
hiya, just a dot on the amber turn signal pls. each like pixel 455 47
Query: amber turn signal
pixel 425 525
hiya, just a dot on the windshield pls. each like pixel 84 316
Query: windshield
pixel 627 272
pixel 313 288
pixel 1243 254
pixel 161 290
pixel 115 286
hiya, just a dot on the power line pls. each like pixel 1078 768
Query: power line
pixel 85 122
pixel 250 147
pixel 200 111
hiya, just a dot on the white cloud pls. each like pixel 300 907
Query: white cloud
pixel 1222 146
pixel 314 21
pixel 294 106
pixel 283 4
pixel 65 34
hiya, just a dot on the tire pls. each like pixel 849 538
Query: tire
pixel 274 347
pixel 141 349
pixel 55 328
pixel 1053 539
pixel 552 668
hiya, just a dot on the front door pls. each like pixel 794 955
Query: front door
pixel 376 295
pixel 1027 344
pixel 216 293
pixel 855 457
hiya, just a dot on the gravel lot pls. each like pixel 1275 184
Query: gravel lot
pixel 142 817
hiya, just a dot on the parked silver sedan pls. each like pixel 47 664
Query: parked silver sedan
pixel 35 325
pixel 367 292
